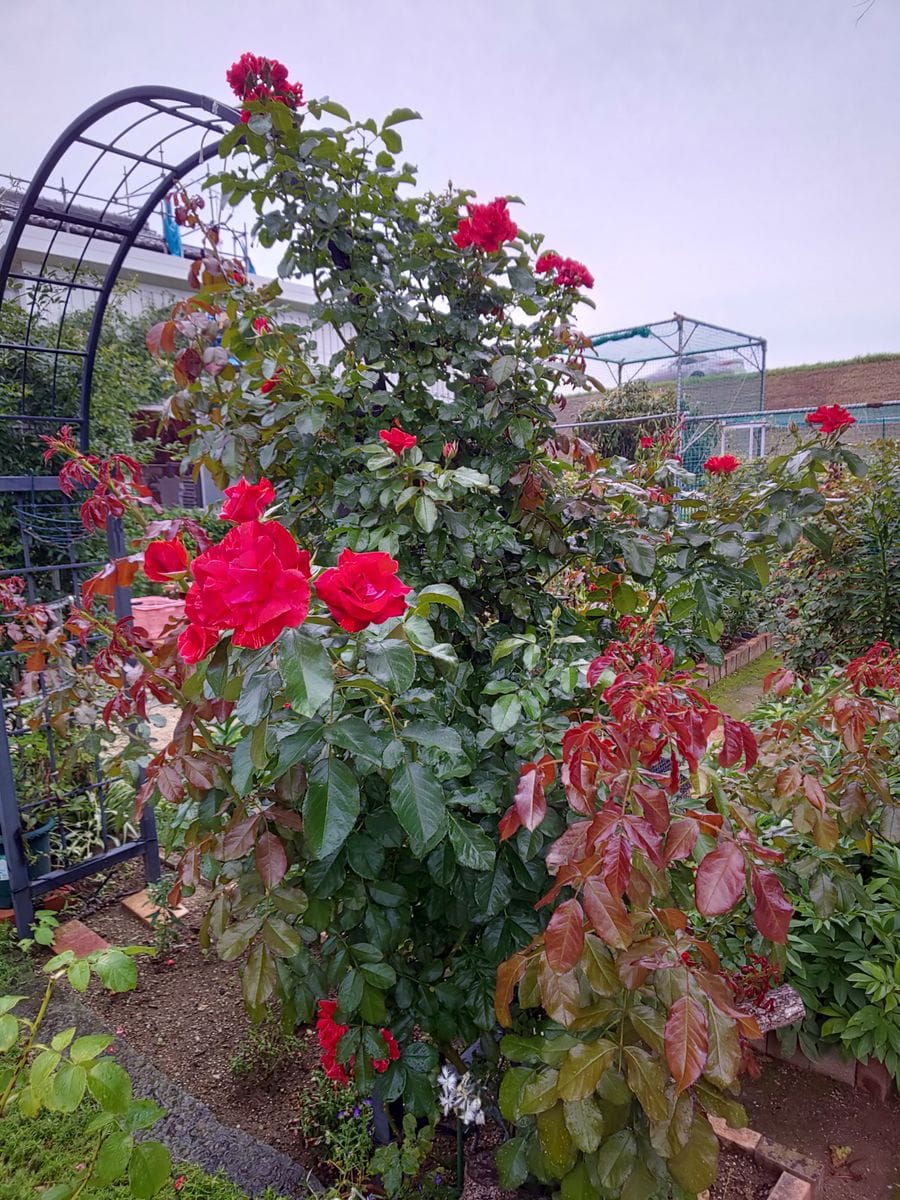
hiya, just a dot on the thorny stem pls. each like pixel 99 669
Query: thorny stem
pixel 27 1048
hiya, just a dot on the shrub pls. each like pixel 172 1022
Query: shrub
pixel 838 591
pixel 635 399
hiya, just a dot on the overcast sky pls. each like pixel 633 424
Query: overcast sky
pixel 734 160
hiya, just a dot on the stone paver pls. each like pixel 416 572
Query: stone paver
pixel 75 936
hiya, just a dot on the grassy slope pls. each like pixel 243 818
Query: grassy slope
pixel 738 694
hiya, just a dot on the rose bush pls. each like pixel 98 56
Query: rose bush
pixel 384 685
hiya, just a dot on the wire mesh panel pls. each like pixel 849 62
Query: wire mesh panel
pixel 710 369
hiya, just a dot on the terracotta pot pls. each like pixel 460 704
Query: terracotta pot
pixel 153 613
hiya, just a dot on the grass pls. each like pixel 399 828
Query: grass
pixel 841 362
pixel 37 1152
pixel 739 694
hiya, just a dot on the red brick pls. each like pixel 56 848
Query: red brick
pixel 141 906
pixel 6 914
pixel 789 1187
pixel 75 936
pixel 875 1078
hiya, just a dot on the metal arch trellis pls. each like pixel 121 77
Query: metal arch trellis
pixel 159 137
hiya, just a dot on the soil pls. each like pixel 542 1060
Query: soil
pixel 819 1117
pixel 187 1016
pixel 741 1178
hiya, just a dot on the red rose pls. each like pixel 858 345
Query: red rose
pixel 162 560
pixel 254 77
pixel 830 418
pixel 363 589
pixel 487 226
pixel 255 582
pixel 569 272
pixel 450 450
pixel 646 443
pixel 269 385
pixel 247 501
pixel 397 440
pixel 721 464
pixel 196 642
pixel 261 325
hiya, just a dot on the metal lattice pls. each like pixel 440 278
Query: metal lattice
pixel 65 247
pixel 713 370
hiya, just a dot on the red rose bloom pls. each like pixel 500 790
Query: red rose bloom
pixel 397 440
pixel 721 464
pixel 830 418
pixel 646 443
pixel 487 226
pixel 255 77
pixel 255 582
pixel 247 501
pixel 269 385
pixel 196 642
pixel 363 589
pixel 569 272
pixel 261 325
pixel 162 560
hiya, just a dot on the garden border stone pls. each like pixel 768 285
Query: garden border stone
pixel 740 656
pixel 800 1176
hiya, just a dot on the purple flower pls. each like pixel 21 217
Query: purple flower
pixel 356 1110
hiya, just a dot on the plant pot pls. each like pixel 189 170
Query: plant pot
pixel 38 844
pixel 153 613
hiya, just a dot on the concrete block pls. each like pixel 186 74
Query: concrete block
pixel 740 1139
pixel 780 1158
pixel 789 1187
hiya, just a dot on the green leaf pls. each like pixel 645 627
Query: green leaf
pixel 616 1158
pixel 67 1088
pixel 79 975
pixel 511 1087
pixel 426 512
pixel 471 845
pixel 418 802
pixel 505 712
pixel 694 1166
pixel 9 1032
pixel 335 109
pixel 7 1003
pixel 115 970
pixel 504 367
pixel 149 1169
pixel 540 1092
pixel 258 978
pixel 512 1167
pixel 625 599
pixel 353 734
pixel 62 1039
pixel 110 1086
pixel 584 1121
pixel 640 558
pixel 113 1157
pixel 438 593
pixel 583 1065
pixel 306 670
pixel 281 938
pixel 350 992
pixel 398 115
pixel 647 1079
pixel 392 663
pixel 393 141
pixel 577 1184
pixel 330 806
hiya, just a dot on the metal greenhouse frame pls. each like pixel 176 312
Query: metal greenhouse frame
pixel 131 149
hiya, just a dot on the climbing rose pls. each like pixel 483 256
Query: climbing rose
pixel 721 464
pixel 196 642
pixel 830 418
pixel 255 581
pixel 569 272
pixel 363 589
pixel 269 385
pixel 381 1064
pixel 162 560
pixel 646 443
pixel 329 1034
pixel 247 501
pixel 255 77
pixel 487 226
pixel 397 440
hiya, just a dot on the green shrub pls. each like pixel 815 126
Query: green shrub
pixel 839 591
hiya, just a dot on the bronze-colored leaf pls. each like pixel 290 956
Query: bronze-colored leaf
pixel 686 1041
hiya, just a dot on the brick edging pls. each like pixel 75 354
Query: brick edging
pixel 872 1076
pixel 800 1175
pixel 741 656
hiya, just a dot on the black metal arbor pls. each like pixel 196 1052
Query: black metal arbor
pixel 59 264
